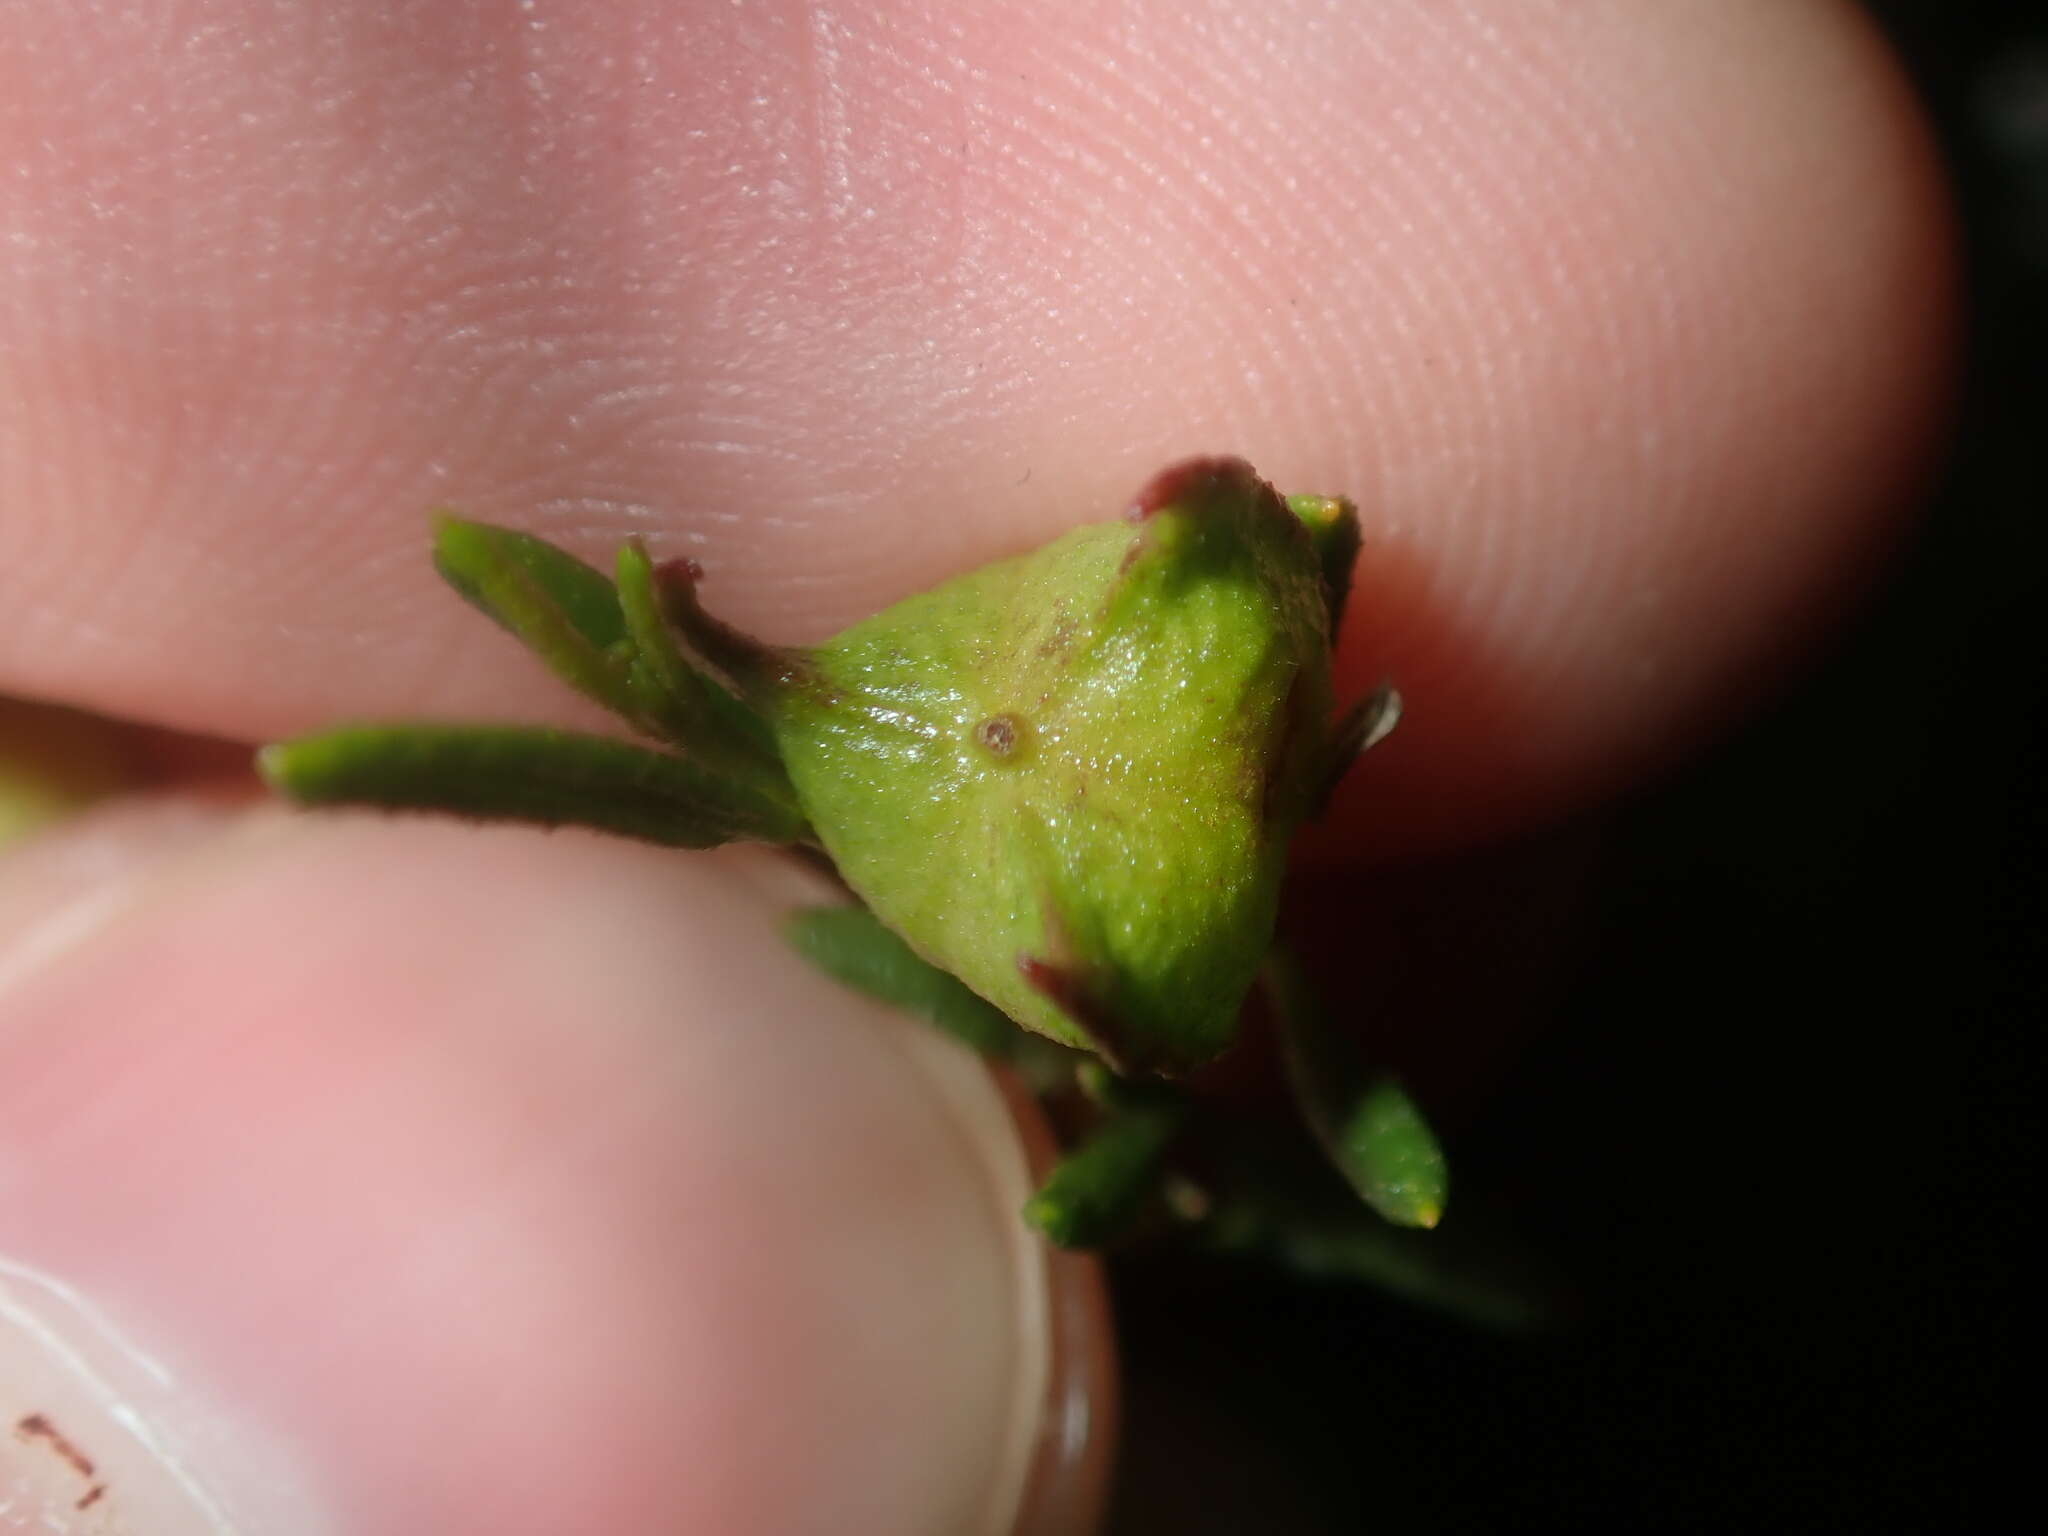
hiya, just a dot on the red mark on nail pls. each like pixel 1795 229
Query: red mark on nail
pixel 36 1428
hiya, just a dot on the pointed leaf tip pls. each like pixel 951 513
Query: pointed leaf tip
pixel 1392 1156
pixel 478 559
pixel 565 612
pixel 1373 1132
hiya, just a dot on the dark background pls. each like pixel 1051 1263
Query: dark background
pixel 1768 1122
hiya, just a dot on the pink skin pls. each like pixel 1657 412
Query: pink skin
pixel 1626 326
pixel 525 1224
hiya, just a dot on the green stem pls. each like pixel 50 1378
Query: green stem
pixel 689 706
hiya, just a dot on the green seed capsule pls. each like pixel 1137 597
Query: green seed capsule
pixel 1067 779
pixel 1070 778
pixel 1063 785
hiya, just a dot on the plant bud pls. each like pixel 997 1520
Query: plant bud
pixel 1070 778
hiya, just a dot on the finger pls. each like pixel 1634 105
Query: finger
pixel 360 1177
pixel 1623 324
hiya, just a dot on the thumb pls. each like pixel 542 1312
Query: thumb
pixel 366 1176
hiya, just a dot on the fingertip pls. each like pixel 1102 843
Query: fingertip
pixel 481 1171
pixel 1714 389
pixel 1627 329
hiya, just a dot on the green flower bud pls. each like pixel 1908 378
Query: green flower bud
pixel 1070 778
pixel 1067 779
pixel 1063 785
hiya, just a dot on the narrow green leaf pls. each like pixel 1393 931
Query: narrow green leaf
pixel 1365 1120
pixel 691 708
pixel 470 556
pixel 529 774
pixel 565 612
pixel 854 947
pixel 1260 1199
pixel 1387 1140
pixel 1096 1191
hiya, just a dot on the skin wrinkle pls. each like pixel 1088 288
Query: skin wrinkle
pixel 1170 143
pixel 1392 198
pixel 1261 261
pixel 1560 132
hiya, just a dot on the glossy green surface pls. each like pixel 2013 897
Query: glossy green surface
pixel 1070 778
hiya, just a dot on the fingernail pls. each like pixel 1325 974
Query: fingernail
pixel 1071 1443
pixel 1051 1476
pixel 97 1436
pixel 358 1119
pixel 96 1433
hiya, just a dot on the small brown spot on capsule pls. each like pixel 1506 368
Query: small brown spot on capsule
pixel 1002 736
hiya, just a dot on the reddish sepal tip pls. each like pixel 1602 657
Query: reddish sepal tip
pixel 1187 480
